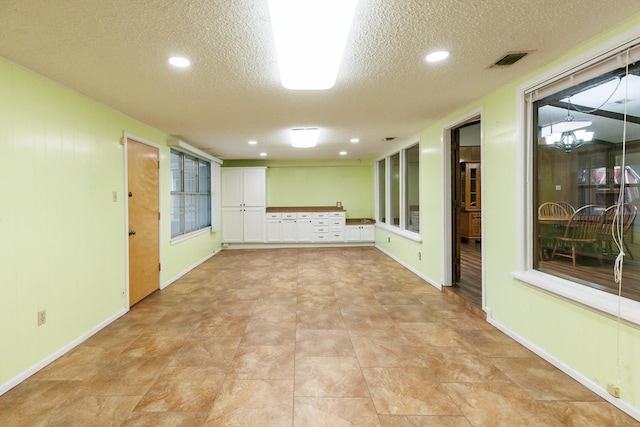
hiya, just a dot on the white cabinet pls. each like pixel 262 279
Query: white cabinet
pixel 304 227
pixel 360 233
pixel 289 230
pixel 274 227
pixel 336 226
pixel 243 204
pixel 282 227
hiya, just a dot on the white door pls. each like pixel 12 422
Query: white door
pixel 289 230
pixel 254 225
pixel 253 187
pixel 232 221
pixel 305 230
pixel 368 233
pixel 231 187
pixel 274 230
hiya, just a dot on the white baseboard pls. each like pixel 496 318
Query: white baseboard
pixel 234 246
pixel 61 352
pixel 438 286
pixel 587 382
pixel 188 269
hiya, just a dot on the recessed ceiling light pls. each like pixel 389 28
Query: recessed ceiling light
pixel 253 142
pixel 304 137
pixel 355 139
pixel 437 56
pixel 310 37
pixel 343 153
pixel 179 61
pixel 263 154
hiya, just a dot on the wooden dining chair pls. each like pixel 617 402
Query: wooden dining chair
pixel 552 210
pixel 567 207
pixel 583 231
pixel 627 217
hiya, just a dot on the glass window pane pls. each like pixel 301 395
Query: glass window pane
pixel 204 177
pixel 583 174
pixel 190 212
pixel 204 210
pixel 176 177
pixel 412 188
pixel 177 213
pixel 382 188
pixel 190 174
pixel 395 189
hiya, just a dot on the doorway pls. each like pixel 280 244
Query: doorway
pixel 143 208
pixel 466 212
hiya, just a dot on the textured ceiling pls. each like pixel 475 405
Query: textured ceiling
pixel 116 53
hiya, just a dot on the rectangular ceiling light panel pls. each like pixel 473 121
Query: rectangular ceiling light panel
pixel 310 37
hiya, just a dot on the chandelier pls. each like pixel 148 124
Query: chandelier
pixel 568 134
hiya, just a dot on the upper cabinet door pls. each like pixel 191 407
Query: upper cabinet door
pixel 231 187
pixel 254 187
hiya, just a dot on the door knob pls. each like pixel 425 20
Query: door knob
pixel 132 232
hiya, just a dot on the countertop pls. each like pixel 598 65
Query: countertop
pixel 305 209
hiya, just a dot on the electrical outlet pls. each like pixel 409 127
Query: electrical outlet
pixel 42 317
pixel 388 239
pixel 122 293
pixel 115 196
pixel 613 390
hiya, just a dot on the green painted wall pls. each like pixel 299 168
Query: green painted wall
pixel 62 238
pixel 582 339
pixel 318 183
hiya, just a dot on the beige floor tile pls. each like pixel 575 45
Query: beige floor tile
pixel 454 365
pixel 331 411
pixel 492 343
pixel 253 403
pixel 320 319
pixel 423 421
pixel 430 334
pixel 590 414
pixel 93 411
pixel 263 362
pixel 499 404
pixel 274 313
pixel 330 377
pixel 182 389
pixel 391 352
pixel 265 333
pixel 542 381
pixel 165 419
pixel 408 391
pixel 128 376
pixel 210 352
pixel 325 342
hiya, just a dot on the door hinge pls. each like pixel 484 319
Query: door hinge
pixel 455 145
pixel 158 216
pixel 159 267
pixel 158 164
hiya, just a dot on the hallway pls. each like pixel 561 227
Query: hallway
pixel 302 337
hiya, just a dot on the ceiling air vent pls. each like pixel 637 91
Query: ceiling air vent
pixel 509 58
pixel 388 138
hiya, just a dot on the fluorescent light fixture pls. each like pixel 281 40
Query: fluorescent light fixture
pixel 263 154
pixel 304 137
pixel 437 56
pixel 343 153
pixel 253 142
pixel 310 37
pixel 179 61
pixel 355 139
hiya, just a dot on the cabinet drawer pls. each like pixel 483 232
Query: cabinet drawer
pixel 304 215
pixel 321 221
pixel 320 229
pixel 289 215
pixel 337 214
pixel 337 222
pixel 321 237
pixel 336 236
pixel 274 215
pixel 321 215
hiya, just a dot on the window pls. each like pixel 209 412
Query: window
pixel 585 138
pixel 398 189
pixel 190 193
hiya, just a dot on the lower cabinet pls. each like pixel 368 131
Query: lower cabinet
pixel 359 233
pixel 242 224
pixel 304 229
pixel 471 225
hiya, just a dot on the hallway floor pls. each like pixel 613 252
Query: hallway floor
pixel 302 337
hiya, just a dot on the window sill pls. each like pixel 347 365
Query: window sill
pixel 191 235
pixel 404 233
pixel 583 295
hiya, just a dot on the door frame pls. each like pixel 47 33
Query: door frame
pixel 447 229
pixel 141 140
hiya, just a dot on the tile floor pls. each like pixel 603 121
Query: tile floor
pixel 302 337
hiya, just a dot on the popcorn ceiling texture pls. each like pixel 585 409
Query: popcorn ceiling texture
pixel 116 53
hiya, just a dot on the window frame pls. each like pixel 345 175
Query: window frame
pixel 569 290
pixel 183 149
pixel 387 224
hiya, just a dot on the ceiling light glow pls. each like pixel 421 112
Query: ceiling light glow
pixel 179 61
pixel 437 56
pixel 310 38
pixel 343 153
pixel 263 154
pixel 253 142
pixel 304 137
pixel 355 140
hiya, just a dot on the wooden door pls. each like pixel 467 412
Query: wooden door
pixel 456 202
pixel 144 216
